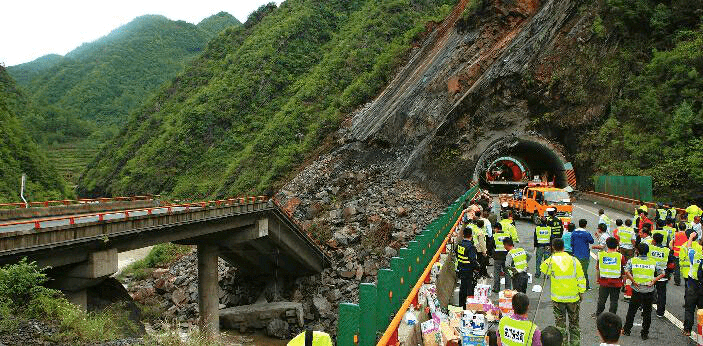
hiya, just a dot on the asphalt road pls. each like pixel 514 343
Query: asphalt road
pixel 662 330
pixel 15 225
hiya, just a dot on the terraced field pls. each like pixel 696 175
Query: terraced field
pixel 70 159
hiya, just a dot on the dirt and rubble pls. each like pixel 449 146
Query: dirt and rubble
pixel 359 216
pixel 401 158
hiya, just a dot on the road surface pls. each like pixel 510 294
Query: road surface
pixel 663 330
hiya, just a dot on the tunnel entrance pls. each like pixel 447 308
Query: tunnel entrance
pixel 511 162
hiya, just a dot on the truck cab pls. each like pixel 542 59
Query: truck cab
pixel 538 198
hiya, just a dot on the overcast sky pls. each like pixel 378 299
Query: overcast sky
pixel 30 29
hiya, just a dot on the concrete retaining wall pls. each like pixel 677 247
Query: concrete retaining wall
pixel 61 210
pixel 626 207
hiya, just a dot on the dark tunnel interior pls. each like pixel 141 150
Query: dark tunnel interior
pixel 538 158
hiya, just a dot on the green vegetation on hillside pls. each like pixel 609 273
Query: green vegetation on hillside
pixel 655 122
pixel 18 152
pixel 91 90
pixel 22 297
pixel 160 255
pixel 261 98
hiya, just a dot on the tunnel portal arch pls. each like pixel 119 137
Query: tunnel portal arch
pixel 535 155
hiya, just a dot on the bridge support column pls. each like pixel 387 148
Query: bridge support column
pixel 208 289
pixel 76 279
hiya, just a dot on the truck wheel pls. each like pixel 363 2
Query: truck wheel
pixel 535 218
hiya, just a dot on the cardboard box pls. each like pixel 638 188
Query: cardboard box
pixel 474 323
pixel 471 340
pixel 481 293
pixel 505 301
pixel 431 336
pixel 449 335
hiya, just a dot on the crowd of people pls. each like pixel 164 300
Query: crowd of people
pixel 636 257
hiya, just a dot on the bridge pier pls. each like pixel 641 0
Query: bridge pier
pixel 75 281
pixel 208 289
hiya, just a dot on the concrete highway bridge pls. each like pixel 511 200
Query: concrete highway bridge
pixel 80 241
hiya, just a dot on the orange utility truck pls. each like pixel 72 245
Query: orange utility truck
pixel 533 200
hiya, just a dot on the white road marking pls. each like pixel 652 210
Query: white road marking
pixel 675 321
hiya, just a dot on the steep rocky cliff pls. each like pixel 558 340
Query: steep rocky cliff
pixel 478 81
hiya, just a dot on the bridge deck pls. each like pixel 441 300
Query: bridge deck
pixel 248 232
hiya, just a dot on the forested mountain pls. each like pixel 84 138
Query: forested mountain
pixel 94 86
pixel 616 84
pixel 19 154
pixel 261 98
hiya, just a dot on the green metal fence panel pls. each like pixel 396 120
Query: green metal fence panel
pixel 377 303
pixel 404 254
pixel 635 187
pixel 367 322
pixel 415 252
pixel 348 325
pixel 384 302
pixel 400 283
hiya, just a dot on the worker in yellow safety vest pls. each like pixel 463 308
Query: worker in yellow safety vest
pixel 609 268
pixel 542 240
pixel 660 253
pixel 567 286
pixel 311 338
pixel 644 273
pixel 516 262
pixel 499 255
pixel 693 298
pixel 662 229
pixel 693 211
pixel 517 329
pixel 508 224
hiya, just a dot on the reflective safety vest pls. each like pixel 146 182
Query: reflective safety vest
pixel 610 264
pixel 672 213
pixel 516 332
pixel 567 280
pixel 695 256
pixel 647 241
pixel 462 255
pixel 543 234
pixel 498 239
pixel 556 226
pixel 626 235
pixel 684 264
pixel 643 269
pixel 664 233
pixel 679 239
pixel 660 255
pixel 519 259
pixel 693 211
pixel 318 339
pixel 662 213
pixel 509 228
pixel 670 231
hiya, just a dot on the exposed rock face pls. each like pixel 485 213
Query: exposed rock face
pixel 406 154
pixel 467 87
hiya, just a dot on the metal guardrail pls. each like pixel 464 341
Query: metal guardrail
pixel 65 202
pixel 633 202
pixel 382 305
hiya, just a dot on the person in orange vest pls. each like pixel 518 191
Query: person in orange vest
pixel 679 239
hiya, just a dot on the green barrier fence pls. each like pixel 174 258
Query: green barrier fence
pixel 359 324
pixel 635 187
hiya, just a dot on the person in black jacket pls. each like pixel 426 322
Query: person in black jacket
pixel 467 264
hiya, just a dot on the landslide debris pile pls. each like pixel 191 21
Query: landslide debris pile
pixel 360 217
